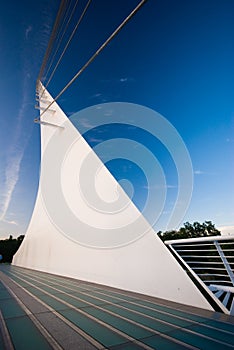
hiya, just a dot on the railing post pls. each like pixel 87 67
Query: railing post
pixel 225 262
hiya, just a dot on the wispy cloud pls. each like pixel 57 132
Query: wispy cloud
pixel 11 222
pixel 14 156
pixel 96 95
pixel 93 139
pixel 69 114
pixel 108 113
pixel 126 79
pixel 199 172
pixel 157 187
pixel 85 123
pixel 11 178
pixel 118 80
pixel 27 31
pixel 22 132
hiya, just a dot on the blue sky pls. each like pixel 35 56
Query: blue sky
pixel 175 57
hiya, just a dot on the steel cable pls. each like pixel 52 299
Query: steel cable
pixel 61 37
pixel 68 42
pixel 116 31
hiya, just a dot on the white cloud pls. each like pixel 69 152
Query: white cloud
pixel 156 187
pixel 96 95
pixel 118 80
pixel 93 139
pixel 228 229
pixel 14 154
pixel 11 222
pixel 108 113
pixel 166 212
pixel 126 79
pixel 27 31
pixel 85 123
pixel 11 179
pixel 198 172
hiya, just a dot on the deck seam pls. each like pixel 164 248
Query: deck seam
pixel 92 341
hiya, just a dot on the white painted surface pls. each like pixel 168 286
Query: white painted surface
pixel 141 264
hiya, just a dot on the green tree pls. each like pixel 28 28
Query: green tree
pixel 189 230
pixel 8 247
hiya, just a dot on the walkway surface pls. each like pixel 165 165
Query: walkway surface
pixel 43 311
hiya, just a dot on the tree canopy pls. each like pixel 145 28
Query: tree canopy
pixel 8 247
pixel 189 230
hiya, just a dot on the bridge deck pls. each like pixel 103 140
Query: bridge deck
pixel 44 311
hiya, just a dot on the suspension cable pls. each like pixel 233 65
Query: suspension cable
pixel 68 42
pixel 52 39
pixel 60 36
pixel 116 31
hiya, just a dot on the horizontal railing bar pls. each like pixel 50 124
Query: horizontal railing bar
pixel 191 245
pixel 210 268
pixel 205 262
pixel 206 256
pixel 204 250
pixel 226 243
pixel 217 281
pixel 206 239
pixel 196 250
pixel 201 244
pixel 213 274
pixel 201 256
pixel 227 248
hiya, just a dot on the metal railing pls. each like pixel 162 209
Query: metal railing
pixel 210 263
